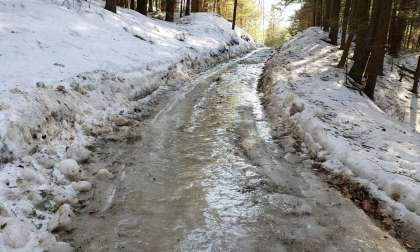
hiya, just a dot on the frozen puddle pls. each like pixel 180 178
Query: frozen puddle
pixel 206 176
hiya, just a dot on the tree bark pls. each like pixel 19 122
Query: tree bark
pixel 398 26
pixel 163 5
pixel 327 11
pixel 195 5
pixel 318 21
pixel 346 51
pixel 111 5
pixel 170 10
pixel 378 50
pixel 345 23
pixel 334 20
pixel 188 8
pixel 416 78
pixel 142 6
pixel 352 28
pixel 410 34
pixel 235 6
pixel 362 50
pixel 150 8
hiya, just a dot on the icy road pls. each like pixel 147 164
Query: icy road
pixel 206 175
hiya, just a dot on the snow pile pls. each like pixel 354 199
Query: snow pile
pixel 71 72
pixel 342 126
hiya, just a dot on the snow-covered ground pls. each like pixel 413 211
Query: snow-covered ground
pixel 68 72
pixel 356 136
pixel 394 96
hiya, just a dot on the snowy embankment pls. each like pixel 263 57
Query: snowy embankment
pixel 70 73
pixel 340 125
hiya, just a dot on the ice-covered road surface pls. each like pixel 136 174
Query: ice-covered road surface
pixel 207 176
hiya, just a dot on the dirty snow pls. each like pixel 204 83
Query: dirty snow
pixel 69 73
pixel 357 137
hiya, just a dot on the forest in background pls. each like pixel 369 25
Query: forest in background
pixel 376 28
pixel 264 27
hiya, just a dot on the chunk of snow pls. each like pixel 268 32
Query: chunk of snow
pixel 16 233
pixel 48 242
pixel 82 186
pixel 78 153
pixel 104 174
pixel 70 169
pixel 62 219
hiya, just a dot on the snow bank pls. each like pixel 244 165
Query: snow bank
pixel 68 72
pixel 341 125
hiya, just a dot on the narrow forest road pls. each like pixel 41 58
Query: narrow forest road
pixel 207 176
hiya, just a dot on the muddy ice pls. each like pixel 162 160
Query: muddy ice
pixel 206 173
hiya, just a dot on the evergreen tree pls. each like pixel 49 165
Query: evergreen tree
pixel 111 5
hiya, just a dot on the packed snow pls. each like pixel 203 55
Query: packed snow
pixel 70 71
pixel 339 124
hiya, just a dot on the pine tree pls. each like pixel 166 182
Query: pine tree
pixel 361 52
pixel 344 24
pixel 235 8
pixel 188 8
pixel 327 13
pixel 416 78
pixel 398 26
pixel 195 6
pixel 334 20
pixel 142 6
pixel 170 10
pixel 150 7
pixel 352 28
pixel 111 5
pixel 384 12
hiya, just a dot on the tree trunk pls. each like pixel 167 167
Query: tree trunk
pixel 334 20
pixel 150 6
pixel 346 51
pixel 181 9
pixel 132 4
pixel 321 13
pixel 111 5
pixel 375 24
pixel 170 10
pixel 378 50
pixel 195 5
pixel 235 6
pixel 409 35
pixel 142 6
pixel 398 27
pixel 163 5
pixel 345 23
pixel 352 28
pixel 416 78
pixel 188 8
pixel 327 11
pixel 362 50
pixel 318 21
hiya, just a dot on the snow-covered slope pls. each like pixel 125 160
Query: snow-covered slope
pixel 341 125
pixel 46 41
pixel 68 71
